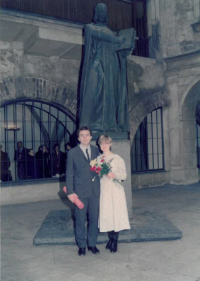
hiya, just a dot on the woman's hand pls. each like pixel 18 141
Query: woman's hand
pixel 111 175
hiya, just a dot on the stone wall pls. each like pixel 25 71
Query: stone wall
pixel 176 32
pixel 39 89
pixel 56 80
pixel 32 192
pixel 198 113
pixel 54 75
pixel 183 85
pixel 146 86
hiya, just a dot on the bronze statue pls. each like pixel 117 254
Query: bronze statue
pixel 103 93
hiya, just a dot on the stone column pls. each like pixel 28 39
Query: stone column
pixel 176 174
pixel 122 148
pixel 189 154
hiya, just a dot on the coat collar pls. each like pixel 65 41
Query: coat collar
pixel 82 155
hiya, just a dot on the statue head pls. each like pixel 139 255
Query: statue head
pixel 100 13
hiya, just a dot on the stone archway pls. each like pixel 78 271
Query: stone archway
pixel 144 107
pixel 187 90
pixel 64 98
pixel 189 115
pixel 39 89
pixel 198 113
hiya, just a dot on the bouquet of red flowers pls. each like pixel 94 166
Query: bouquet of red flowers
pixel 100 168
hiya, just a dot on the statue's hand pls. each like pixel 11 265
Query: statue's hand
pixel 121 40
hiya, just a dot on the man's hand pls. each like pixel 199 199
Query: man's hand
pixel 71 197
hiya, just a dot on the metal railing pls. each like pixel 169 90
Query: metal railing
pixel 35 137
pixel 148 148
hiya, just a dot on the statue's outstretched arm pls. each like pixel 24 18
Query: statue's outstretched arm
pixel 100 34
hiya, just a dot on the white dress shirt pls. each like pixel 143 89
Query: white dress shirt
pixel 83 148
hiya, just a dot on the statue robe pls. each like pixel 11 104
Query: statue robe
pixel 103 93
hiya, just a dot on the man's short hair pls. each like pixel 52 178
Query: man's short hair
pixel 83 128
pixel 19 142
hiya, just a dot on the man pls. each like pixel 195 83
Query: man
pixel 21 159
pixel 4 166
pixel 79 184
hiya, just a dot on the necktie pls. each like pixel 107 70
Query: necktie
pixel 88 157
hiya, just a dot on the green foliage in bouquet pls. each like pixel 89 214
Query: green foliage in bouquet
pixel 105 168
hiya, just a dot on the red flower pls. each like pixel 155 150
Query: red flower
pixel 102 160
pixel 99 169
pixel 93 168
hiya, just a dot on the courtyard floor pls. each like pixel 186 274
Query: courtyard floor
pixel 177 260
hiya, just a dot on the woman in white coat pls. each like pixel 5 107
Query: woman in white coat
pixel 113 209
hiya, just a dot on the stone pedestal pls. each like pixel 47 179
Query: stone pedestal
pixel 121 147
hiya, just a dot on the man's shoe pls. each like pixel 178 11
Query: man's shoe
pixel 94 250
pixel 81 252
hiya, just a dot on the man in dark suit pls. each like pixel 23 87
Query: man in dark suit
pixel 4 166
pixel 58 159
pixel 79 183
pixel 21 159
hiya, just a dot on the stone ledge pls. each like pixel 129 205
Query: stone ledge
pixel 58 229
pixel 196 26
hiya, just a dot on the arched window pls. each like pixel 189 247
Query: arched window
pixel 147 149
pixel 198 145
pixel 34 140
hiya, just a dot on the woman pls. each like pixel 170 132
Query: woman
pixel 43 162
pixel 58 159
pixel 113 210
pixel 31 164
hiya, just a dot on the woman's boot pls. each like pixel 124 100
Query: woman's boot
pixel 110 236
pixel 113 247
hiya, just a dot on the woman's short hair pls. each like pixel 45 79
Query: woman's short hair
pixel 104 138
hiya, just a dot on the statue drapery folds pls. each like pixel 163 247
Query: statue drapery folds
pixel 103 93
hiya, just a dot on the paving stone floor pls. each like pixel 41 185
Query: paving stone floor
pixel 177 260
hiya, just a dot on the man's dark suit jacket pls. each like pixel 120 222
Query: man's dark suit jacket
pixel 23 153
pixel 62 166
pixel 78 174
pixel 5 162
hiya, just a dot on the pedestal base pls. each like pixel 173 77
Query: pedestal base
pixel 58 229
pixel 113 135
